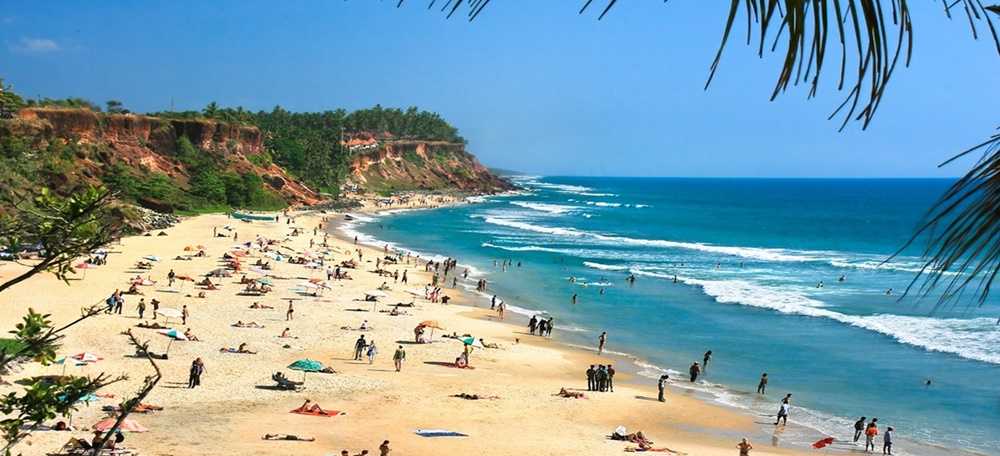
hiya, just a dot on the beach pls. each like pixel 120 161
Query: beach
pixel 236 403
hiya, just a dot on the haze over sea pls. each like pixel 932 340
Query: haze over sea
pixel 748 255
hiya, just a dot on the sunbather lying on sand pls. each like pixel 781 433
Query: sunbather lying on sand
pixel 620 434
pixel 252 324
pixel 314 408
pixel 643 446
pixel 259 306
pixel 147 325
pixel 565 393
pixel 287 437
pixel 476 397
pixel 488 345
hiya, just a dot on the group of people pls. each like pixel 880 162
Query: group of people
pixel 544 327
pixel 870 431
pixel 363 347
pixel 601 379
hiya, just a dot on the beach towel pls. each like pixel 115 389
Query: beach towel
pixel 438 433
pixel 328 413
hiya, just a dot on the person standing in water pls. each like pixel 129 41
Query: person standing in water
pixel 705 360
pixel 763 384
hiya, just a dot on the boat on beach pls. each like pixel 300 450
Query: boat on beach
pixel 243 216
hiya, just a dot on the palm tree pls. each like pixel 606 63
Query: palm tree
pixel 211 111
pixel 963 254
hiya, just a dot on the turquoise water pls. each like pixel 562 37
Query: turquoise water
pixel 748 255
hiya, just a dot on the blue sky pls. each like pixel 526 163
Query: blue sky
pixel 531 84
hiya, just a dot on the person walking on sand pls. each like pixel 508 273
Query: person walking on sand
pixel 859 429
pixel 783 413
pixel 290 314
pixel 197 368
pixel 762 386
pixel 142 307
pixel 601 340
pixel 170 278
pixel 404 279
pixel 383 449
pixel 661 386
pixel 887 441
pixel 359 347
pixel 372 351
pixel 744 447
pixel 533 324
pixel 399 357
pixel 184 314
pixel 694 371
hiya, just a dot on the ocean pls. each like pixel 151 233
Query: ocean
pixel 734 266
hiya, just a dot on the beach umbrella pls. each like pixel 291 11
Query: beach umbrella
pixel 313 264
pixel 85 267
pixel 143 282
pixel 430 324
pixel 310 254
pixel 265 281
pixel 376 293
pixel 151 258
pixel 271 255
pixel 86 398
pixel 306 365
pixel 472 341
pixel 169 313
pixel 173 334
pixel 67 360
pixel 260 271
pixel 190 248
pixel 183 278
pixel 128 425
pixel 87 357
pixel 219 273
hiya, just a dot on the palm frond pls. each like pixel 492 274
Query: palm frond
pixel 962 251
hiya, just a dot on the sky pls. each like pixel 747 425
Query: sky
pixel 531 84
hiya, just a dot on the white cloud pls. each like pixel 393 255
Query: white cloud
pixel 33 45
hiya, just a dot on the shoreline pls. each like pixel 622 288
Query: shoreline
pixel 634 366
pixel 236 403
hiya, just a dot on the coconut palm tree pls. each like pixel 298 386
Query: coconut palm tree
pixel 963 254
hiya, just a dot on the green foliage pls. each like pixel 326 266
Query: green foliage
pixel 196 160
pixel 8 346
pixel 210 187
pixel 231 145
pixel 115 107
pixel 261 160
pixel 413 157
pixel 157 186
pixel 10 100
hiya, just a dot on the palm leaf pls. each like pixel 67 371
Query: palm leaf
pixel 962 251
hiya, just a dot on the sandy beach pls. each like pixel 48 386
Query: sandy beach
pixel 236 403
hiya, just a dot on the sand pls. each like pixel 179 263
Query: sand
pixel 236 403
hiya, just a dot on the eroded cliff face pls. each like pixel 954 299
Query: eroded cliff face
pixel 151 143
pixel 424 165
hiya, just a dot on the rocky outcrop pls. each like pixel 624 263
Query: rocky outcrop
pixel 151 143
pixel 424 165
